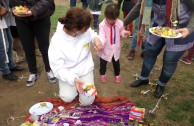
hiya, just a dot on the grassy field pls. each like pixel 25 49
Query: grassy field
pixel 176 109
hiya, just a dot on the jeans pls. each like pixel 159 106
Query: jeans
pixel 134 39
pixel 170 60
pixel 84 3
pixel 27 31
pixel 96 22
pixel 5 67
pixel 134 43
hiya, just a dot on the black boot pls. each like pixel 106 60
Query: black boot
pixel 139 82
pixel 17 68
pixel 159 91
pixel 10 77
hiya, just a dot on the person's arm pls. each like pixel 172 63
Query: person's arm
pixel 190 26
pixel 41 7
pixel 59 65
pixel 102 34
pixel 95 39
pixel 3 11
pixel 133 14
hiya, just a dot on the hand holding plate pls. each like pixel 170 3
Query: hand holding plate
pixel 183 31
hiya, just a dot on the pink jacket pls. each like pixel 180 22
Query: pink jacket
pixel 110 47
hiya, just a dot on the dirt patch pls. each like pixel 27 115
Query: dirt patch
pixel 16 98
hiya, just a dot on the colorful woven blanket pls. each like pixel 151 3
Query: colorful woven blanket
pixel 103 112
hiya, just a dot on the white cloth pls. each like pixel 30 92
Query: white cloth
pixel 3 23
pixel 70 57
pixel 68 92
pixel 95 12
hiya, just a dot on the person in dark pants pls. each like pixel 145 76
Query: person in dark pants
pixel 95 9
pixel 36 24
pixel 84 3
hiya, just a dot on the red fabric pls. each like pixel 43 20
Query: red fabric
pixel 130 26
pixel 111 35
pixel 105 101
pixel 168 12
pixel 134 1
pixel 190 53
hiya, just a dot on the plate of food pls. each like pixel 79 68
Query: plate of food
pixel 20 11
pixel 41 108
pixel 165 32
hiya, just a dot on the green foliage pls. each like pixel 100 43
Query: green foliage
pixel 60 12
pixel 181 111
pixel 187 106
pixel 175 115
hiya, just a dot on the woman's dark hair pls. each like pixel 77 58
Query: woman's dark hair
pixel 112 11
pixel 76 18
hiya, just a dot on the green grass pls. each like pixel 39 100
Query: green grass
pixel 60 12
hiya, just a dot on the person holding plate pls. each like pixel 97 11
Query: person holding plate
pixel 70 55
pixel 33 20
pixel 181 13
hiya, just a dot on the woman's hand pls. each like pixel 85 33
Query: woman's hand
pixel 183 31
pixel 127 33
pixel 29 13
pixel 97 44
pixel 79 85
pixel 3 11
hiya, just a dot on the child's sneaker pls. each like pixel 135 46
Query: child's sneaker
pixel 185 60
pixel 52 79
pixel 117 79
pixel 103 78
pixel 31 80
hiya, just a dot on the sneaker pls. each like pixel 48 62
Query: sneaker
pixel 32 79
pixel 52 79
pixel 117 79
pixel 131 55
pixel 185 60
pixel 10 77
pixel 103 78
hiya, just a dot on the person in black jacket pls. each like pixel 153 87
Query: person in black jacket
pixel 35 23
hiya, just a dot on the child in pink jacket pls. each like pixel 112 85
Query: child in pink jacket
pixel 110 30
